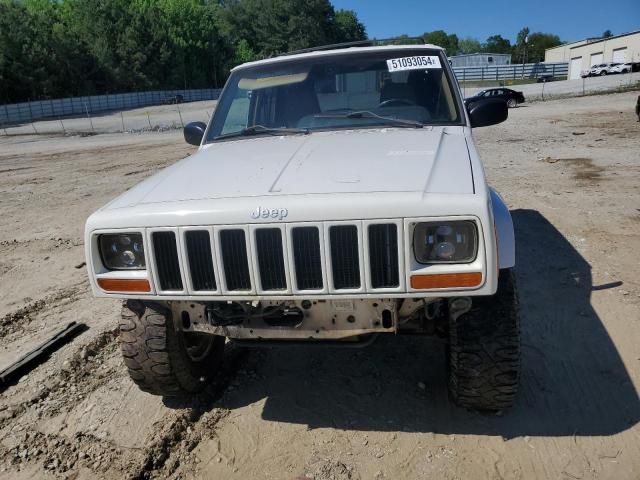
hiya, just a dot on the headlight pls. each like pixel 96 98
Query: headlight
pixel 122 251
pixel 445 242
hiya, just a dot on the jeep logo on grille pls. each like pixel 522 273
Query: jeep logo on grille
pixel 261 212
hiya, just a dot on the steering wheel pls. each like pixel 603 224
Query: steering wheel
pixel 395 101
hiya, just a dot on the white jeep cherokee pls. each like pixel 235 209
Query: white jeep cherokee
pixel 336 195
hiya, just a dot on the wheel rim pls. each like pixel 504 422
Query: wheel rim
pixel 511 103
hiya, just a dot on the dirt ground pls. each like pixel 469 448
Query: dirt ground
pixel 569 170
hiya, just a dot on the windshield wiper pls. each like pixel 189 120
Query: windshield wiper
pixel 401 122
pixel 258 129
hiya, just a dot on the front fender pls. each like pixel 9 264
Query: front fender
pixel 504 231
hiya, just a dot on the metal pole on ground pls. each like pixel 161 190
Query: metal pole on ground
pixel 88 116
pixel 64 132
pixel 31 118
pixel 122 120
pixel 149 120
pixel 180 115
pixel 6 115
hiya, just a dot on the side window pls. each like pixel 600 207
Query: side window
pixel 238 116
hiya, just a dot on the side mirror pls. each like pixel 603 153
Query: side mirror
pixel 193 133
pixel 487 112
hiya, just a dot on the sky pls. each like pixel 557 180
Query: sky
pixel 569 19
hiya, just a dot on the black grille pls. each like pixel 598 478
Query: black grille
pixel 383 256
pixel 166 255
pixel 200 260
pixel 234 258
pixel 306 255
pixel 345 256
pixel 270 259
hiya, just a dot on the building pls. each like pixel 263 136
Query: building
pixel 582 55
pixel 480 60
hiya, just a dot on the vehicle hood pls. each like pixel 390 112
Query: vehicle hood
pixel 428 160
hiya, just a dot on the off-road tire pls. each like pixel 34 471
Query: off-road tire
pixel 484 350
pixel 156 356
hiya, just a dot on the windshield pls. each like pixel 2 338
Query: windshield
pixel 397 88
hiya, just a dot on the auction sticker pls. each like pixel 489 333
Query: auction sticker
pixel 413 63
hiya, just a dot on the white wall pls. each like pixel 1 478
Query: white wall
pixel 607 47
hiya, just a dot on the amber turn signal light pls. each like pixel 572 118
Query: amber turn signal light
pixel 446 280
pixel 137 285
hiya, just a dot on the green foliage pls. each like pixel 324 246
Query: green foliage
pixel 270 27
pixel 38 57
pixel 469 45
pixel 538 43
pixel 440 38
pixel 522 37
pixel 56 48
pixel 607 34
pixel 244 52
pixel 348 27
pixel 497 44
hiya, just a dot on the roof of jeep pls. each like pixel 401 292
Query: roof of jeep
pixel 335 51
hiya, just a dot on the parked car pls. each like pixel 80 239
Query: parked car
pixel 512 97
pixel 621 67
pixel 173 99
pixel 601 69
pixel 302 219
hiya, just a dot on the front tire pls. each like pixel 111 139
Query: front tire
pixel 484 350
pixel 512 103
pixel 160 358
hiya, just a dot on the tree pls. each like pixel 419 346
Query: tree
pixel 469 45
pixel 244 53
pixel 39 56
pixel 276 26
pixel 348 27
pixel 538 43
pixel 607 34
pixel 497 44
pixel 522 40
pixel 439 37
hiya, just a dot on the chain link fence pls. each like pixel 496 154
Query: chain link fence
pixel 157 111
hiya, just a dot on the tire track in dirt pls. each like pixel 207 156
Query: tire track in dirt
pixel 79 376
pixel 178 438
pixel 18 319
pixel 90 368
